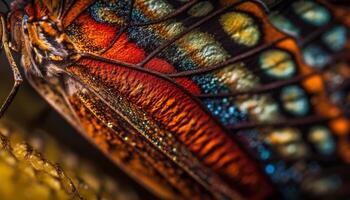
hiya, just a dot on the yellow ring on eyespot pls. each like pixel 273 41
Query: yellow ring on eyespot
pixel 241 28
pixel 288 142
pixel 277 63
pixel 201 9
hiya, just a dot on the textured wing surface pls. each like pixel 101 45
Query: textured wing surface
pixel 202 90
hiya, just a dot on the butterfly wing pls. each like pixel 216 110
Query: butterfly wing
pixel 120 142
pixel 184 85
pixel 201 136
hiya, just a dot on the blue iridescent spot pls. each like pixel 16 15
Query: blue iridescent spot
pixel 264 154
pixel 312 12
pixel 335 38
pixel 295 101
pixel 210 84
pixel 270 169
pixel 225 111
pixel 315 56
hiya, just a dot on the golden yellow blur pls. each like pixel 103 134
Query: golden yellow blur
pixel 26 173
